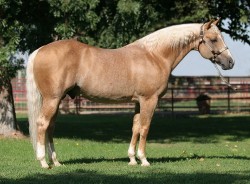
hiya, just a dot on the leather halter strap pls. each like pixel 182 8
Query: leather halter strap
pixel 202 40
pixel 215 54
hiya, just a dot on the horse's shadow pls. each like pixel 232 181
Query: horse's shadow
pixel 152 160
pixel 94 160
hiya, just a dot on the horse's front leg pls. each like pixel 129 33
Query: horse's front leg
pixel 135 135
pixel 147 107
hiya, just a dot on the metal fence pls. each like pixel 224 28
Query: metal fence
pixel 181 97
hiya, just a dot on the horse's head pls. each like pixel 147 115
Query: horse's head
pixel 213 47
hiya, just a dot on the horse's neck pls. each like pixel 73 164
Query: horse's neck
pixel 172 44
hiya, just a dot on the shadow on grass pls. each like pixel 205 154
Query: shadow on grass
pixel 152 160
pixel 139 176
pixel 117 128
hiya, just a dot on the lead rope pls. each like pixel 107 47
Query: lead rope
pixel 223 79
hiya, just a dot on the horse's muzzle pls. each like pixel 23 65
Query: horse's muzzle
pixel 227 65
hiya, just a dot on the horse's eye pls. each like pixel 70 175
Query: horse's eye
pixel 214 40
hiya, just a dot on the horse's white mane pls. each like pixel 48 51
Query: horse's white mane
pixel 174 37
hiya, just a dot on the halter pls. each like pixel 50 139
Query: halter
pixel 215 55
pixel 202 40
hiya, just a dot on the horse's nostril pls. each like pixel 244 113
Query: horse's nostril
pixel 231 63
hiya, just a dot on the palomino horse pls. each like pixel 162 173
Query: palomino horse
pixel 137 72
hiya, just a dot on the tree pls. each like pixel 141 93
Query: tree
pixel 28 24
pixel 9 40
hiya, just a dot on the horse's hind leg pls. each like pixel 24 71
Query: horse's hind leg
pixel 50 142
pixel 48 110
pixel 135 135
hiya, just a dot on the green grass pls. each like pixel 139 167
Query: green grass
pixel 93 149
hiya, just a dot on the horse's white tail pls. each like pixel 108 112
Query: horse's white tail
pixel 34 99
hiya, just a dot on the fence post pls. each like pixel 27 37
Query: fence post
pixel 172 100
pixel 77 104
pixel 228 96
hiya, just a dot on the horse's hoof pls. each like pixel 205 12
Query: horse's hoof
pixel 44 164
pixel 145 164
pixel 57 164
pixel 132 163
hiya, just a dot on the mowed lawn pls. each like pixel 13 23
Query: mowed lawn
pixel 93 149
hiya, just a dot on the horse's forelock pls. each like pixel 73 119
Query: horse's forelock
pixel 215 29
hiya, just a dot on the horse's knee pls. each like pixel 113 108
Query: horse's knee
pixel 144 131
pixel 136 118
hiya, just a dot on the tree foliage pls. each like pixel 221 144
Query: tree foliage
pixel 9 41
pixel 236 14
pixel 27 25
pixel 106 23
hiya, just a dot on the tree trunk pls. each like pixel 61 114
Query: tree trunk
pixel 8 122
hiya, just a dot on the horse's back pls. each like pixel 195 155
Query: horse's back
pixel 102 74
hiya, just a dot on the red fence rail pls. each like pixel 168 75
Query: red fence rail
pixel 180 97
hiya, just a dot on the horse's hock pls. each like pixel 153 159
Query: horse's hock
pixel 203 102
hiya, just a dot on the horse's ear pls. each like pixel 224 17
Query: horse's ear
pixel 208 25
pixel 216 21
